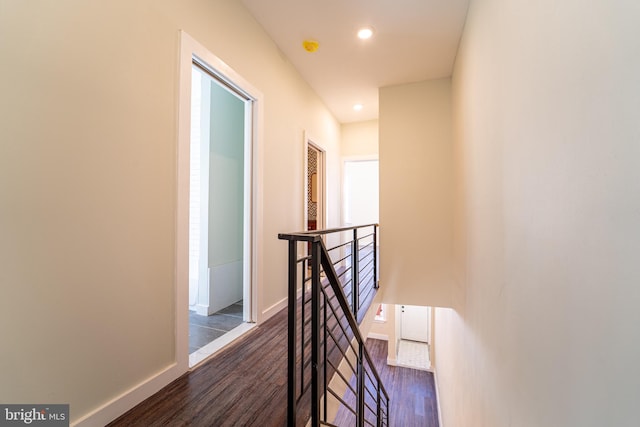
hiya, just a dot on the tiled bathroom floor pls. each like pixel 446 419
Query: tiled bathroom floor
pixel 204 329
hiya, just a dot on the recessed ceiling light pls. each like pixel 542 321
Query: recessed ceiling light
pixel 357 107
pixel 365 33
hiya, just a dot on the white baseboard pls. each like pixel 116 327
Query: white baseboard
pixel 435 381
pixel 275 308
pixel 377 336
pixel 280 305
pixel 392 362
pixel 111 410
pixel 202 310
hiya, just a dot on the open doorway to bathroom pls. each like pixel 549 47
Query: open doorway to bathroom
pixel 219 225
pixel 218 205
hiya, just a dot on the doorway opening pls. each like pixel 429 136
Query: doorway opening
pixel 360 198
pixel 414 344
pixel 360 193
pixel 217 246
pixel 217 224
pixel 314 187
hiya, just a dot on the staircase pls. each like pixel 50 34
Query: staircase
pixel 333 276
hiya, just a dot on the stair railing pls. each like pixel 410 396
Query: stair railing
pixel 331 377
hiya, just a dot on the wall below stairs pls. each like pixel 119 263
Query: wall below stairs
pixel 547 218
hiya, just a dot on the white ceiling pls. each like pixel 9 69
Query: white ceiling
pixel 414 40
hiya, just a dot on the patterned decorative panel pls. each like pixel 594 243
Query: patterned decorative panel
pixel 312 162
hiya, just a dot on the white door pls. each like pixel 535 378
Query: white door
pixel 415 323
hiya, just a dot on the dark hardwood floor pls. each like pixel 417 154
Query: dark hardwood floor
pixel 412 392
pixel 246 385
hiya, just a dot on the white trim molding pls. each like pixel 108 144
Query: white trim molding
pixel 435 382
pixel 377 336
pixel 191 50
pixel 117 406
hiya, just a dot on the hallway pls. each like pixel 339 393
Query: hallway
pixel 246 384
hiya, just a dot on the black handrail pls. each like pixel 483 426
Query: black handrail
pixel 298 234
pixel 359 295
pixel 332 322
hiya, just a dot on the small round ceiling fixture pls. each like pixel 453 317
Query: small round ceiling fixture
pixel 358 107
pixel 310 45
pixel 365 33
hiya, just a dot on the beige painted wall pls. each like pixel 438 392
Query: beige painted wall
pixel 416 207
pixel 88 184
pixel 546 97
pixel 359 139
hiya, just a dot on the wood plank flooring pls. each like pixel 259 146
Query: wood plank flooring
pixel 412 393
pixel 246 385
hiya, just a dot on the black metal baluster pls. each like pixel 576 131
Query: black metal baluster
pixel 302 321
pixel 291 366
pixel 355 274
pixel 319 382
pixel 378 409
pixel 315 332
pixel 360 385
pixel 375 257
pixel 324 359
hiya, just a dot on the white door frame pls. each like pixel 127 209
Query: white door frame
pixel 191 50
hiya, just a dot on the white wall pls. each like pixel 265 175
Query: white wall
pixel 226 202
pixel 88 185
pixel 416 207
pixel 547 229
pixel 359 139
